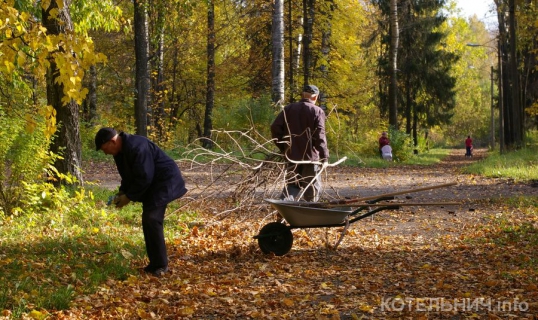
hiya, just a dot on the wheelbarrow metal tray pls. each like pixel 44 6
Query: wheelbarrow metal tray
pixel 300 216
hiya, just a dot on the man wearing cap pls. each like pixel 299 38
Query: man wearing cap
pixel 299 133
pixel 149 176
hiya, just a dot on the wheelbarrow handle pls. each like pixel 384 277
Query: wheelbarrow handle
pixel 404 204
pixel 346 201
pixel 349 201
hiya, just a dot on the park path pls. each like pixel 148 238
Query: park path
pixel 364 182
pixel 478 197
pixel 353 182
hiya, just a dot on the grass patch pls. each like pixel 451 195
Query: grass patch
pixel 47 259
pixel 520 165
pixel 430 157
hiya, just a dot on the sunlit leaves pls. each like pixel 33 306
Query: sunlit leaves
pixel 50 120
pixel 27 48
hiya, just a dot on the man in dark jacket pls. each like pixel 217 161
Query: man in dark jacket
pixel 149 176
pixel 299 133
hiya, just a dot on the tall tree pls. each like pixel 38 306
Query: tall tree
pixel 142 79
pixel 517 111
pixel 277 30
pixel 528 47
pixel 57 21
pixel 308 34
pixel 210 88
pixel 427 87
pixel 393 54
pixel 158 91
pixel 512 120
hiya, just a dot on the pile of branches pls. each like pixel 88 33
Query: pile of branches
pixel 241 170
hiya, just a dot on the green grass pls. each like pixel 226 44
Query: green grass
pixel 430 157
pixel 47 259
pixel 520 165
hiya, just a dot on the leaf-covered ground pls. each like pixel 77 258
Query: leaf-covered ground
pixel 476 260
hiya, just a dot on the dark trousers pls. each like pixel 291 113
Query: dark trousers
pixel 152 225
pixel 298 177
pixel 469 151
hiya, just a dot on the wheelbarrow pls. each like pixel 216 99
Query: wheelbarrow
pixel 277 237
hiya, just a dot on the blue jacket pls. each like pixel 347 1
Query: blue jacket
pixel 148 175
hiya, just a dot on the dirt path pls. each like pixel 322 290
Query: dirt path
pixel 356 182
pixel 431 222
pixel 472 192
pixel 366 182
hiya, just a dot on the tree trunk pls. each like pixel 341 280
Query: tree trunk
pixel 393 88
pixel 290 39
pixel 308 12
pixel 277 92
pixel 67 143
pixel 518 128
pixel 142 81
pixel 159 115
pixel 210 93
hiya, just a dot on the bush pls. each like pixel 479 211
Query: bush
pixel 24 158
pixel 402 145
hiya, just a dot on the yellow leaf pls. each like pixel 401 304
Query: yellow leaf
pixel 186 311
pixel 288 302
pixel 54 13
pixel 366 308
pixel 45 4
pixel 9 66
pixel 30 123
pixel 126 254
pixel 142 314
pixel 21 58
pixel 34 314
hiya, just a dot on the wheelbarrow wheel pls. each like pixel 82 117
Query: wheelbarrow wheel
pixel 276 238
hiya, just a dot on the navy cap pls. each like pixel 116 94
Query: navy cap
pixel 103 136
pixel 310 88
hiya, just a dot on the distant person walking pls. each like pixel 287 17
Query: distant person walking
pixel 468 147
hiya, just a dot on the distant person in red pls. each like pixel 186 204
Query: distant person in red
pixel 469 147
pixel 383 141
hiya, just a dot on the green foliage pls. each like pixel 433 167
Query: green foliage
pixel 430 157
pixel 244 114
pixel 51 256
pixel 520 165
pixel 402 145
pixel 473 81
pixel 24 160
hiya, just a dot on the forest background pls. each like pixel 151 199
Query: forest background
pixel 176 70
pixel 184 72
pixel 180 71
